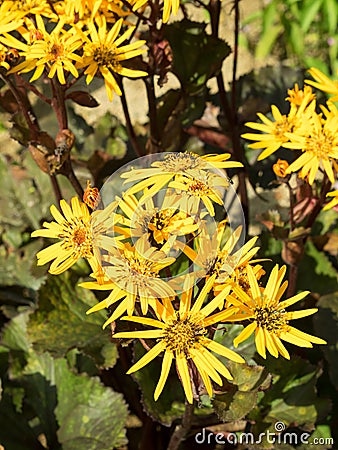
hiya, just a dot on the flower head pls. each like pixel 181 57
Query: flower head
pixel 132 274
pixel 318 140
pixel 273 132
pixel 160 224
pixel 267 315
pixel 79 233
pixel 173 164
pixel 103 54
pixel 54 52
pixel 206 187
pixel 183 336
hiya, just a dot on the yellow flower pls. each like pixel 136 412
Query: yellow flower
pixel 280 168
pixel 333 202
pixel 267 315
pixel 133 272
pixel 79 233
pixel 52 51
pixel 323 83
pixel 273 134
pixel 318 140
pixel 102 53
pixel 161 172
pixel 299 97
pixel 206 187
pixel 216 257
pixel 170 6
pixel 183 335
pixel 160 224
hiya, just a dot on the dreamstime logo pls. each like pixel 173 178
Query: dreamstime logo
pixel 280 437
pixel 161 205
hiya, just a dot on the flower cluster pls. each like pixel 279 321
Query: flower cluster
pixel 169 215
pixel 310 133
pixel 66 40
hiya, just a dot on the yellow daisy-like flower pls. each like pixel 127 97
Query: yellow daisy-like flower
pixel 269 320
pixel 218 258
pixel 103 54
pixel 323 83
pixel 206 187
pixel 318 140
pixel 80 235
pixel 53 51
pixel 133 272
pixel 161 172
pixel 273 132
pixel 333 202
pixel 182 335
pixel 169 6
pixel 162 224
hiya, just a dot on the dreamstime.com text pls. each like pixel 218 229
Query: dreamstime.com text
pixel 279 437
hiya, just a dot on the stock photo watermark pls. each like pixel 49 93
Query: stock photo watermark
pixel 279 436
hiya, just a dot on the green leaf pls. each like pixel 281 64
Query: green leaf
pixel 190 38
pixel 234 405
pixel 293 396
pixel 326 326
pixel 331 12
pixel 309 13
pixel 323 277
pixel 170 405
pixel 90 415
pixel 60 323
pixel 296 38
pixel 14 333
pixel 71 411
pixel 320 439
pixel 19 267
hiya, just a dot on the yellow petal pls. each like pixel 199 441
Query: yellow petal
pixel 223 351
pixel 149 356
pixel 245 334
pixel 260 342
pixel 183 371
pixel 166 364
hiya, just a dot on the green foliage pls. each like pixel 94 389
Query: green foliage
pixel 60 323
pixel 305 30
pixel 46 403
pixel 190 38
